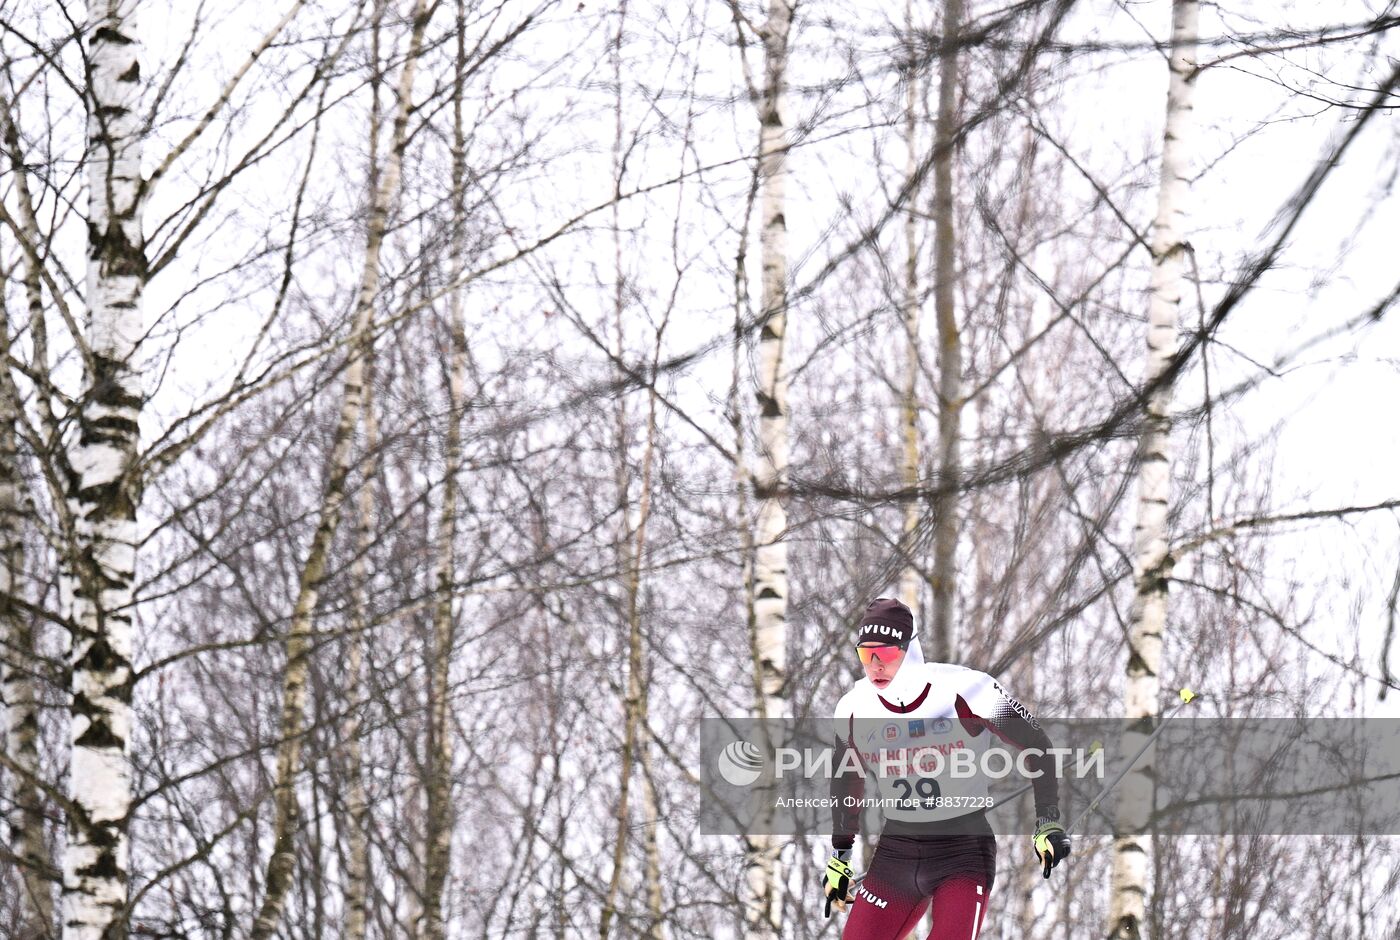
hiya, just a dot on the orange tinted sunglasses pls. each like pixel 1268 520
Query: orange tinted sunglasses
pixel 885 654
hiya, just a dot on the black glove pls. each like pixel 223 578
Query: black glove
pixel 1051 842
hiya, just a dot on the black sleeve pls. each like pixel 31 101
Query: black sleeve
pixel 1013 722
pixel 846 788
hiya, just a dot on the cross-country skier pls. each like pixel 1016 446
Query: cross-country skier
pixel 904 726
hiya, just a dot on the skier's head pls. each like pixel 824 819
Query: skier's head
pixel 883 639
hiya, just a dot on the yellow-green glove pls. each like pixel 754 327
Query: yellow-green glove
pixel 1051 842
pixel 837 883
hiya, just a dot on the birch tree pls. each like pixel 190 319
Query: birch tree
pixel 636 772
pixel 356 815
pixel 945 505
pixel 440 820
pixel 278 876
pixel 18 688
pixel 1152 562
pixel 103 492
pixel 770 575
pixel 18 629
pixel 909 577
pixel 635 785
pixel 770 580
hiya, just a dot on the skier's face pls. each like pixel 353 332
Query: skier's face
pixel 880 662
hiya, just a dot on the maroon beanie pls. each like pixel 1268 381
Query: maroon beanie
pixel 886 620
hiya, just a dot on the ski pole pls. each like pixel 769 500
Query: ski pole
pixel 1187 696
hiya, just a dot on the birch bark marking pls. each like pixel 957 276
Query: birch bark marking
pixel 278 878
pixel 770 476
pixel 1151 557
pixel 102 491
pixel 945 505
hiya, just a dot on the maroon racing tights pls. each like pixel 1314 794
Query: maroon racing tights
pixel 898 889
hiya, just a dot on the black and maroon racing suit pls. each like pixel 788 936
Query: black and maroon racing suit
pixel 949 862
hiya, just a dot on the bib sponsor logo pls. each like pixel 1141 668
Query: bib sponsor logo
pixel 916 728
pixel 891 732
pixel 942 726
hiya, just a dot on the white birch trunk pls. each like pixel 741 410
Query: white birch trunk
pixel 909 577
pixel 945 507
pixel 102 491
pixel 31 241
pixel 651 847
pixel 743 474
pixel 634 741
pixel 356 798
pixel 632 547
pixel 438 857
pixel 632 696
pixel 762 902
pixel 440 811
pixel 17 635
pixel 357 862
pixel 280 865
pixel 17 687
pixel 770 575
pixel 656 926
pixel 1151 560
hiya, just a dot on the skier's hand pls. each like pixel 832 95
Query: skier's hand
pixel 1051 844
pixel 836 884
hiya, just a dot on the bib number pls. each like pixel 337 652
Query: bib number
pixel 927 788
